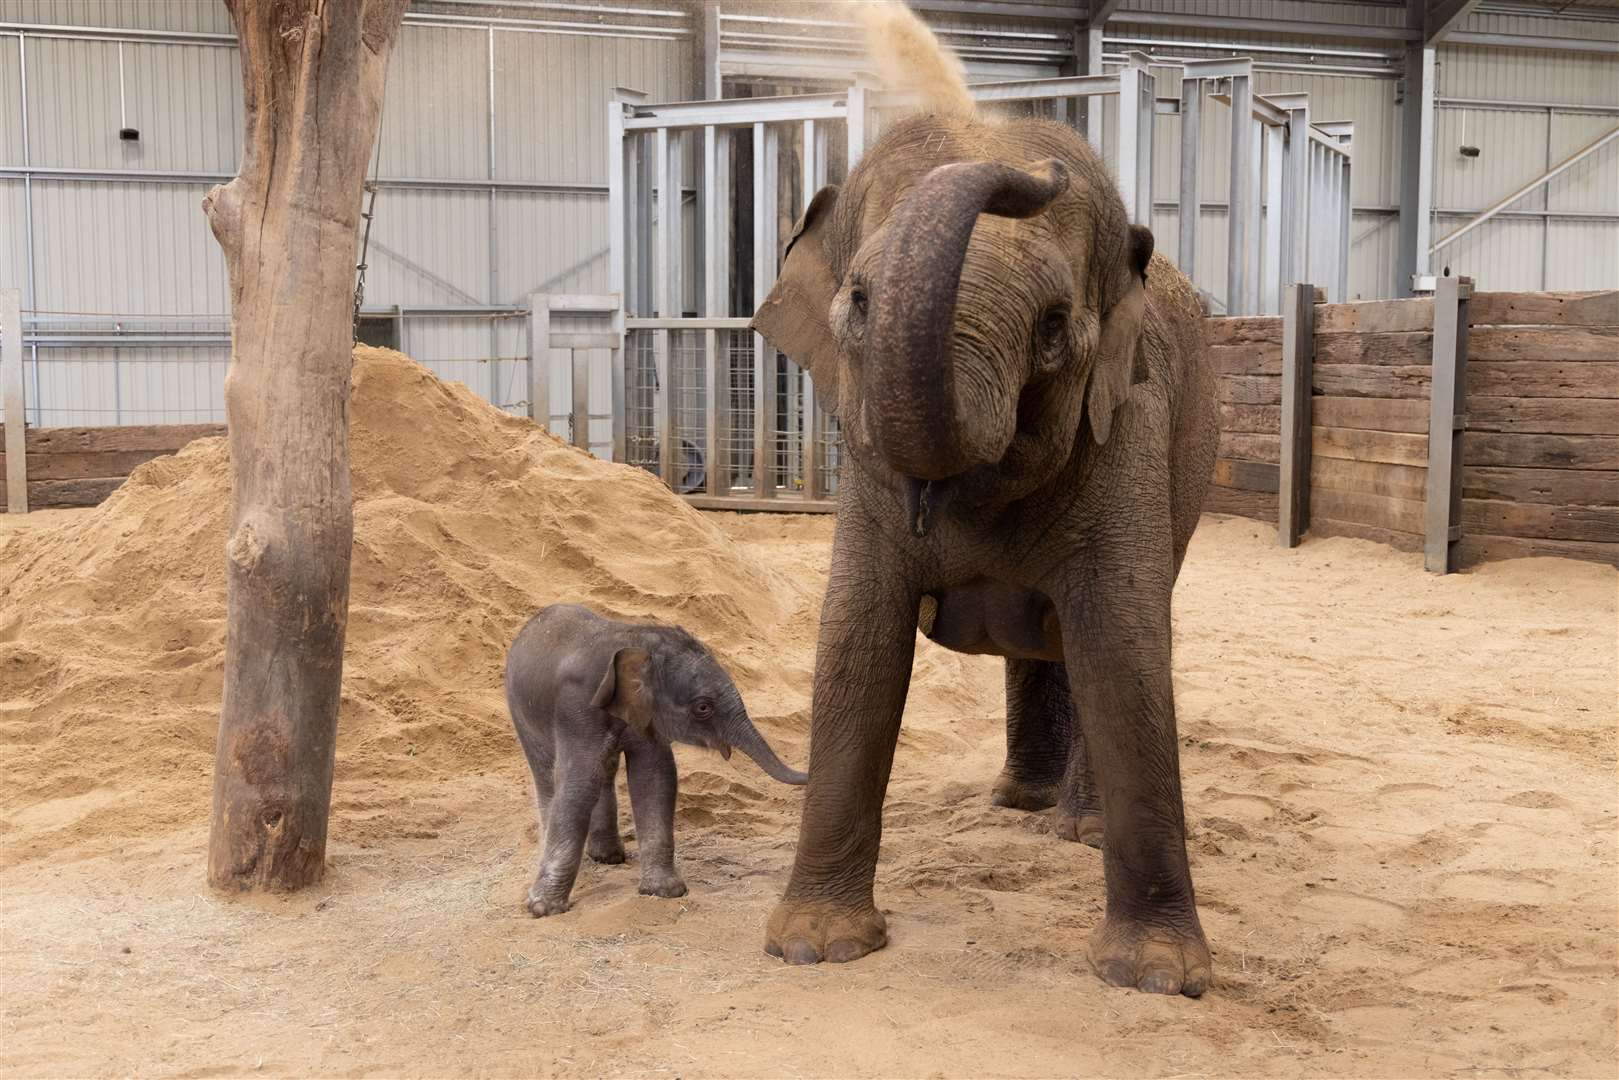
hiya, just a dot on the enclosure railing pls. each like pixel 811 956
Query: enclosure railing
pixel 1288 206
pixel 719 414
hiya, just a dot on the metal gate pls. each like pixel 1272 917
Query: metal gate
pixel 720 415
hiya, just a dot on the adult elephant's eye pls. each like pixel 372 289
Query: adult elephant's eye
pixel 1053 326
pixel 857 297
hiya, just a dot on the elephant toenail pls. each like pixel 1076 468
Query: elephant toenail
pixel 1117 973
pixel 773 949
pixel 1195 985
pixel 1159 982
pixel 844 950
pixel 800 951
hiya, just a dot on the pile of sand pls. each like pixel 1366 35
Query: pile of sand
pixel 467 520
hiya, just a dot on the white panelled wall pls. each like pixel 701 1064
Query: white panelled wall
pixel 493 160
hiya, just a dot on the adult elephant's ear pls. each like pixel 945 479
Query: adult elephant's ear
pixel 1116 349
pixel 624 692
pixel 796 316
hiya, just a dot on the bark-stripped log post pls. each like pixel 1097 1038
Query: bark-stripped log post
pixel 312 75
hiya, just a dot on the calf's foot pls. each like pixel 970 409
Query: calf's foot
pixel 809 931
pixel 542 903
pixel 659 882
pixel 1152 957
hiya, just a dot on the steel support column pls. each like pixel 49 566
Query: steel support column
pixel 1416 169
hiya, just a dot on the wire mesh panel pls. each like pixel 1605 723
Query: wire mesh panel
pixel 640 400
pixel 688 372
pixel 737 439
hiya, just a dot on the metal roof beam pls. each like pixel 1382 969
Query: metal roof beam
pixel 1102 11
pixel 1443 16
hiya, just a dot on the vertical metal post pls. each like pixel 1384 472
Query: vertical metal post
pixel 856 117
pixel 494 235
pixel 1147 108
pixel 1416 169
pixel 1298 362
pixel 1346 218
pixel 1447 418
pixel 615 374
pixel 1093 103
pixel 1296 197
pixel 713 82
pixel 399 329
pixel 1127 149
pixel 1191 209
pixel 539 358
pixel 13 393
pixel 1253 215
pixel 619 175
pixel 764 276
pixel 1271 257
pixel 1240 196
pixel 668 293
pixel 810 447
pixel 716 297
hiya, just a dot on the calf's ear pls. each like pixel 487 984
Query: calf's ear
pixel 624 692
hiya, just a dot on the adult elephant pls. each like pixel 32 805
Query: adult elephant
pixel 1029 423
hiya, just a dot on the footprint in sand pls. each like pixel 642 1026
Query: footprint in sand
pixel 1495 886
pixel 1243 808
pixel 1340 905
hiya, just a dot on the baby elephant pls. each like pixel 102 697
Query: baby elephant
pixel 583 689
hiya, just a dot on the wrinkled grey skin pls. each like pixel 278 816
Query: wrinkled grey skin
pixel 583 690
pixel 1030 428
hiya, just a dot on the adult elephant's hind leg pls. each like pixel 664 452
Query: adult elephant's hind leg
pixel 862 671
pixel 1079 803
pixel 1040 728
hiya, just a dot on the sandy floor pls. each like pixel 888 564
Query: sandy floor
pixel 1401 790
pixel 1402 796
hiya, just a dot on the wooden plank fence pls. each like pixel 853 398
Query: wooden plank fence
pixel 1533 383
pixel 1537 470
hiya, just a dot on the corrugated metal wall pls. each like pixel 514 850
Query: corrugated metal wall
pixel 134 247
pixel 117 252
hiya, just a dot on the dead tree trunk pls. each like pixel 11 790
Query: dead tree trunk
pixel 312 75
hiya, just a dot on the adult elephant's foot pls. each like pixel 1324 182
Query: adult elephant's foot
pixel 809 931
pixel 1022 794
pixel 1080 829
pixel 1151 957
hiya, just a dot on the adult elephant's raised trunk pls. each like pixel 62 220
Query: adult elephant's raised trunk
pixel 914 414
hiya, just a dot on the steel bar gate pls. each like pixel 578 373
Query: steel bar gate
pixel 1288 206
pixel 713 409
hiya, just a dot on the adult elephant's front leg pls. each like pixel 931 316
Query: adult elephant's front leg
pixel 1119 663
pixel 862 670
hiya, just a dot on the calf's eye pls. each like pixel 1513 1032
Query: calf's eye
pixel 702 708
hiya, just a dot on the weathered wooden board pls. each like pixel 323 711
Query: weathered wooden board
pixel 1475 548
pixel 79 466
pixel 1372 380
pixel 1541 451
pixel 1243 330
pixel 1245 446
pixel 1372 414
pixel 1544 309
pixel 1245 475
pixel 1368 478
pixel 1381 511
pixel 1260 505
pixel 1375 316
pixel 1259 419
pixel 1264 358
pixel 1354 444
pixel 1565 343
pixel 1249 389
pixel 1543 378
pixel 49 494
pixel 100 440
pixel 1543 416
pixel 1403 347
pixel 1322 528
pixel 1558 487
pixel 1539 521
